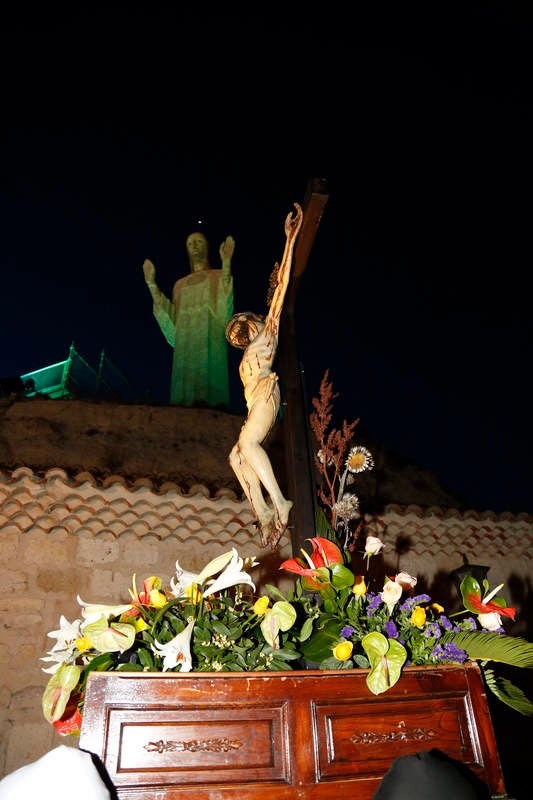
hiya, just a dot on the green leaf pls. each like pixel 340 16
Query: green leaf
pixel 320 644
pixel 335 663
pixel 220 628
pixel 341 576
pixel 274 591
pixel 323 527
pixel 130 667
pixel 387 657
pixel 306 630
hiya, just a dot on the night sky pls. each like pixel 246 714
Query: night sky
pixel 121 127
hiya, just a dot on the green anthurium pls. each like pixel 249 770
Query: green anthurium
pixel 108 639
pixel 284 613
pixel 341 576
pixel 387 657
pixel 58 690
pixel 281 617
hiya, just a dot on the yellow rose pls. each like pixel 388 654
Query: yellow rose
pixel 343 651
pixel 359 587
pixel 261 605
pixel 418 617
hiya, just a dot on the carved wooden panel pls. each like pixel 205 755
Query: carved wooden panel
pixel 280 734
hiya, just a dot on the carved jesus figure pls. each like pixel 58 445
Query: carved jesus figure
pixel 258 337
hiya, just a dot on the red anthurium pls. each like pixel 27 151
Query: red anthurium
pixel 70 723
pixel 325 553
pixel 471 593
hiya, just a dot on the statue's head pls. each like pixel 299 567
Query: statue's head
pixel 198 251
pixel 243 328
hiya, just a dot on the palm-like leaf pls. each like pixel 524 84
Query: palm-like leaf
pixel 485 646
pixel 481 646
pixel 508 693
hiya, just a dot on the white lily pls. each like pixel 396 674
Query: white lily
pixel 184 579
pixel 177 651
pixel 66 634
pixel 91 612
pixel 64 650
pixel 232 574
pixel 58 658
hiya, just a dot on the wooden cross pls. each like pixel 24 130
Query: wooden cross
pixel 297 440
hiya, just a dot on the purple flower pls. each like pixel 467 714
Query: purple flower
pixel 449 652
pixel 445 622
pixel 432 629
pixel 411 602
pixel 391 629
pixel 374 602
pixel 347 631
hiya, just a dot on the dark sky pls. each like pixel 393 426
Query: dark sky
pixel 122 126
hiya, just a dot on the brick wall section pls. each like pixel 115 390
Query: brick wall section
pixel 61 536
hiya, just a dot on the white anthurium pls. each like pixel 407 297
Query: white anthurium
pixel 491 621
pixel 390 594
pixel 177 651
pixel 94 611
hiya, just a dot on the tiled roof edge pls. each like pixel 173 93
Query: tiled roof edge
pixel 106 481
pixel 168 487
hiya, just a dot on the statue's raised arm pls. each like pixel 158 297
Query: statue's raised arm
pixel 258 337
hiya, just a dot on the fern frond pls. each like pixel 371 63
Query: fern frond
pixel 508 693
pixel 486 646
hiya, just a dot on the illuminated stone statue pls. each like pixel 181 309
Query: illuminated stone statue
pixel 258 337
pixel 194 324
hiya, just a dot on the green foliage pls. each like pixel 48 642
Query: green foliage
pixel 507 692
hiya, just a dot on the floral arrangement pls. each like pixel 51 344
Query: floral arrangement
pixel 333 618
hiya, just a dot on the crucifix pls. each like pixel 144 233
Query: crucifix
pixel 296 435
pixel 258 336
